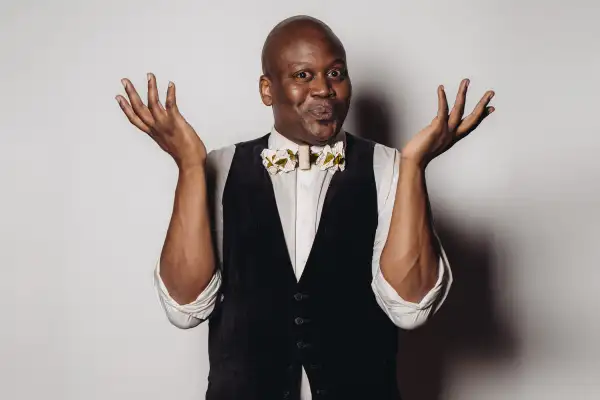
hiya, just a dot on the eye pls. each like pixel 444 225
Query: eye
pixel 302 75
pixel 336 74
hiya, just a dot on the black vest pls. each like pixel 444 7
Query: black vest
pixel 268 324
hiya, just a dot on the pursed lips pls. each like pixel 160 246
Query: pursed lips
pixel 322 111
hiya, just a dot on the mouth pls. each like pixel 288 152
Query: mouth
pixel 322 112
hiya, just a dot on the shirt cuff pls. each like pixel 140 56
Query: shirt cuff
pixel 410 315
pixel 189 315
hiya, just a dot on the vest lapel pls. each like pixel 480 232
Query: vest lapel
pixel 269 218
pixel 338 182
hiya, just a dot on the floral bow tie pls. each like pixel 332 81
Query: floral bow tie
pixel 285 160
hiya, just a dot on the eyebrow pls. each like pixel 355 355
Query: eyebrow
pixel 304 64
pixel 338 61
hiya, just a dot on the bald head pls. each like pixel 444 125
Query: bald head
pixel 305 80
pixel 300 27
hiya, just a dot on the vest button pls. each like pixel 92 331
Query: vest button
pixel 286 395
pixel 299 321
pixel 302 345
pixel 298 296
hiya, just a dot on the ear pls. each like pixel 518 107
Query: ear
pixel 264 87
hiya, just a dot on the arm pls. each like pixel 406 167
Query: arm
pixel 189 315
pixel 403 313
pixel 409 261
pixel 187 259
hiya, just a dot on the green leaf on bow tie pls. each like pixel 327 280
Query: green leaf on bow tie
pixel 338 160
pixel 291 154
pixel 313 157
pixel 281 162
pixel 328 158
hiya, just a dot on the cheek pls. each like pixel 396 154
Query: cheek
pixel 343 90
pixel 296 94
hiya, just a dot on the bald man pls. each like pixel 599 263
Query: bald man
pixel 308 247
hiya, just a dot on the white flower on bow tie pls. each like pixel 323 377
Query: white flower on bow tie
pixel 279 160
pixel 332 158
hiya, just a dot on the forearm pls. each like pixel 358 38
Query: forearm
pixel 409 260
pixel 187 259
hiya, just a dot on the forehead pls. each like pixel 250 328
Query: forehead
pixel 308 46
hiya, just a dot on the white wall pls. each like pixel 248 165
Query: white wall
pixel 86 198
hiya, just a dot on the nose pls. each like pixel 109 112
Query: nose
pixel 321 87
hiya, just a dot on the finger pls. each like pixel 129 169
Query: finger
pixel 131 115
pixel 486 113
pixel 138 106
pixel 154 105
pixel 442 104
pixel 459 106
pixel 171 102
pixel 474 119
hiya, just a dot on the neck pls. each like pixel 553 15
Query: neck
pixel 308 139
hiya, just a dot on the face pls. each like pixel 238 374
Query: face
pixel 308 88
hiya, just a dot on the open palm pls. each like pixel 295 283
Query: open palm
pixel 165 124
pixel 446 129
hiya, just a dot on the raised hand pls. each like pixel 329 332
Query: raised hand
pixel 165 125
pixel 446 129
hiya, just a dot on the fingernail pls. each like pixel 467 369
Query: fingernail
pixel 467 84
pixel 170 84
pixel 149 76
pixel 124 83
pixel 118 99
pixel 492 95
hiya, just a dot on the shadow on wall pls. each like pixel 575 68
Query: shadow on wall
pixel 467 326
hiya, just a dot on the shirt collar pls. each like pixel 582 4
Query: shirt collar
pixel 278 141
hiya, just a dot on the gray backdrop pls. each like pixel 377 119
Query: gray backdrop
pixel 86 198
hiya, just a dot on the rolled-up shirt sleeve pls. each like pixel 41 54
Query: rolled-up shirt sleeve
pixel 186 316
pixel 404 314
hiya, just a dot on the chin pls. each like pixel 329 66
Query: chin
pixel 321 131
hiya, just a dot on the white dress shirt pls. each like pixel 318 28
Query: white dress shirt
pixel 299 195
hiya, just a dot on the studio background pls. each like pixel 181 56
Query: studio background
pixel 86 198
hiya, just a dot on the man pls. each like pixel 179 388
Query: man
pixel 305 248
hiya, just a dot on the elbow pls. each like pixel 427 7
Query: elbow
pixel 411 281
pixel 404 313
pixel 409 324
pixel 183 321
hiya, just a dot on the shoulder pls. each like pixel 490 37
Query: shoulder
pixel 385 167
pixel 384 157
pixel 221 157
pixel 218 161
